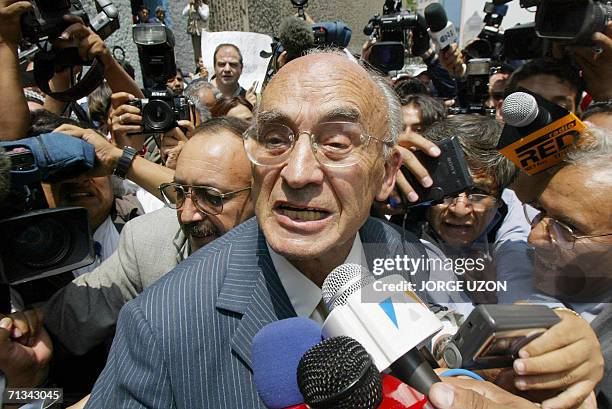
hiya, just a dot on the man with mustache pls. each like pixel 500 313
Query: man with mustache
pixel 211 195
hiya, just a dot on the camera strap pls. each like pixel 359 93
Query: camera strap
pixel 45 64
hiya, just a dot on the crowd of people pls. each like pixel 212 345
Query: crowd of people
pixel 234 219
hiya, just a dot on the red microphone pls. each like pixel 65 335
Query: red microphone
pixel 398 395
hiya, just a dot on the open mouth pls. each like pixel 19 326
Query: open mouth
pixel 459 228
pixel 301 214
pixel 76 196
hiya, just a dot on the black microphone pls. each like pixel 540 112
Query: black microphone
pixel 537 133
pixel 296 37
pixel 390 325
pixel 441 31
pixel 339 373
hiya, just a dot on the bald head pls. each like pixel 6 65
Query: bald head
pixel 214 158
pixel 219 145
pixel 326 75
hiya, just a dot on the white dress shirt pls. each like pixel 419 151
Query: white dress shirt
pixel 305 296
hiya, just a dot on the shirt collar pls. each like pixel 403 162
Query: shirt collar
pixel 303 293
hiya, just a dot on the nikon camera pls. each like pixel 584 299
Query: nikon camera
pixel 161 109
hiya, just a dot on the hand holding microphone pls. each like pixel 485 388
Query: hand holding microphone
pixel 445 37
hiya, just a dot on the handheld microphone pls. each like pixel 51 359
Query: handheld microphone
pixel 339 373
pixel 441 31
pixel 388 319
pixel 537 133
pixel 276 351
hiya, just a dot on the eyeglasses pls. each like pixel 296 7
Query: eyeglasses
pixel 335 144
pixel 560 233
pixel 480 202
pixel 206 199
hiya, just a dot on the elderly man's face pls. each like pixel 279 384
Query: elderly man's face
pixel 94 194
pixel 217 161
pixel 308 211
pixel 579 198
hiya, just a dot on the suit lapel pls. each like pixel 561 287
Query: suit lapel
pixel 252 288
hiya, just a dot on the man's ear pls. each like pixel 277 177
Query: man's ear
pixel 282 59
pixel 392 165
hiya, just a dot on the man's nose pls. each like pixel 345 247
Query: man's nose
pixel 190 213
pixel 539 235
pixel 302 167
pixel 461 207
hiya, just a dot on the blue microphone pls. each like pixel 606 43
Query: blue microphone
pixel 276 352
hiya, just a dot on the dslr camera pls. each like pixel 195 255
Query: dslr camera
pixel 161 109
pixel 396 30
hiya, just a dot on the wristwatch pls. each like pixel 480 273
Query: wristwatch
pixel 125 161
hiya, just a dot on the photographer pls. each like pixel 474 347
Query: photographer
pixel 487 222
pixel 14 116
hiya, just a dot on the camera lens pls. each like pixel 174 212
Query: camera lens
pixel 158 116
pixel 479 49
pixel 42 244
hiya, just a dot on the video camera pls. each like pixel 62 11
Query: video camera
pixel 472 98
pixel 44 24
pixel 161 109
pixel 396 30
pixel 39 242
pixel 572 21
pixel 489 43
pixel 332 33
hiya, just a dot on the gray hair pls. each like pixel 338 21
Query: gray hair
pixel 394 108
pixel 478 136
pixel 594 150
pixel 193 89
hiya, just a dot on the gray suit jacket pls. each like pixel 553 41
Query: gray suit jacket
pixel 84 313
pixel 185 341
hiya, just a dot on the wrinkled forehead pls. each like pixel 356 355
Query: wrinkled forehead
pixel 308 89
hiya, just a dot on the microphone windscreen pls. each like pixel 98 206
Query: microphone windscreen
pixel 276 351
pixel 342 282
pixel 296 37
pixel 339 373
pixel 519 109
pixel 5 168
pixel 435 15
